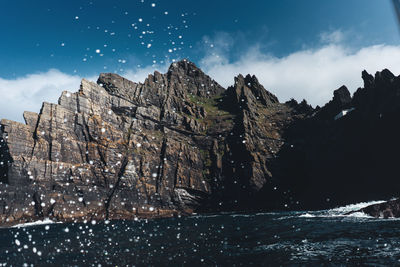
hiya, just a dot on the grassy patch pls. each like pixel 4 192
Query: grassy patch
pixel 205 155
pixel 210 105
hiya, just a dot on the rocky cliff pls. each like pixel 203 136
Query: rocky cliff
pixel 180 143
pixel 351 157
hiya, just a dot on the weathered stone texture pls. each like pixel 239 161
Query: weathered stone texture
pixel 179 142
pixel 115 149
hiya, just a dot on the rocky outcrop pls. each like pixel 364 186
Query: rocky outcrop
pixel 341 101
pixel 350 159
pixel 254 143
pixel 115 149
pixel 179 142
pixel 389 209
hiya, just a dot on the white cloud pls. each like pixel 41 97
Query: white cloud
pixel 215 48
pixel 332 37
pixel 28 92
pixel 310 74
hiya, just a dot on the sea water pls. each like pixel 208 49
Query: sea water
pixel 313 238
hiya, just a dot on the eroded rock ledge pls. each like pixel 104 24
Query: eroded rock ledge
pixel 385 210
pixel 175 144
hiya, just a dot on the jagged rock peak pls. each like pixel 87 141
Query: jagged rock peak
pixel 302 107
pixel 183 65
pixel 193 78
pixel 380 76
pixel 185 68
pixel 342 96
pixel 380 93
pixel 341 100
pixel 384 79
pixel 182 77
pixel 384 76
pixel 114 83
pixel 251 83
pixel 368 79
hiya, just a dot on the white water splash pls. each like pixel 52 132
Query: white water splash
pixel 342 211
pixel 353 207
pixel 307 215
pixel 40 222
pixel 358 215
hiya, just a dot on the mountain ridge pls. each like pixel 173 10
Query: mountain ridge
pixel 180 143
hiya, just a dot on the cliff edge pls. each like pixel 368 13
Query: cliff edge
pixel 180 143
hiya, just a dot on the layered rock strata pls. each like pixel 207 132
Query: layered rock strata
pixel 180 143
pixel 115 149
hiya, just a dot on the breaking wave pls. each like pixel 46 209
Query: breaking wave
pixel 342 211
pixel 39 222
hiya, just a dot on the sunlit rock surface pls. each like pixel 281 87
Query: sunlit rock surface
pixel 179 143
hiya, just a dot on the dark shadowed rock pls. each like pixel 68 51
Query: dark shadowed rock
pixel 348 160
pixel 341 97
pixel 179 143
pixel 341 101
pixel 389 209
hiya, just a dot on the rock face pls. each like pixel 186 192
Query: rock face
pixel 351 159
pixel 115 149
pixel 179 142
pixel 389 209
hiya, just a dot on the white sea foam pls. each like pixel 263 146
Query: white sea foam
pixel 307 215
pixel 40 222
pixel 342 211
pixel 359 215
pixel 353 207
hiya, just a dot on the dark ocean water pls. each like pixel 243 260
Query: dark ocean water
pixel 267 239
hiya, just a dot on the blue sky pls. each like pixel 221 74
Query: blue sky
pixel 49 45
pixel 39 35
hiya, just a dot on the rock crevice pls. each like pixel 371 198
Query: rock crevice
pixel 179 142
